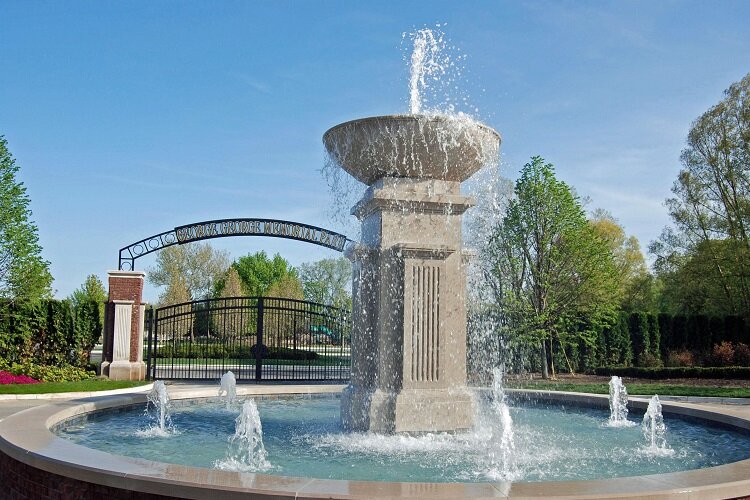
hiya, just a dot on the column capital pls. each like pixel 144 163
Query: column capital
pixel 126 274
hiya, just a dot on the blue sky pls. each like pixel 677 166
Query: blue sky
pixel 130 118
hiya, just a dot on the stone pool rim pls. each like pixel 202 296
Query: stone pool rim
pixel 26 437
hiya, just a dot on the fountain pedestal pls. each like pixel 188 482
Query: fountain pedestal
pixel 409 283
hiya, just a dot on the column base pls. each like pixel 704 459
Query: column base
pixel 126 370
pixel 355 408
pixel 410 411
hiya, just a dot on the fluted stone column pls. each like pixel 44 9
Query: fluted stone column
pixel 409 283
pixel 409 332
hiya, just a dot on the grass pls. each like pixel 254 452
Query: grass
pixel 639 389
pixel 81 386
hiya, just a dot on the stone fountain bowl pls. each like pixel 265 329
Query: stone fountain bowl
pixel 415 146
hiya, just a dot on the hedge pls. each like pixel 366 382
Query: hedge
pixel 216 350
pixel 48 332
pixel 730 372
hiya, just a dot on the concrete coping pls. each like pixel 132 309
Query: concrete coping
pixel 26 437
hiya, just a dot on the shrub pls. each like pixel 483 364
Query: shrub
pixel 742 354
pixel 51 373
pixel 723 354
pixel 648 360
pixel 216 350
pixel 680 358
pixel 730 372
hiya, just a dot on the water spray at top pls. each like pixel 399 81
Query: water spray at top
pixel 434 71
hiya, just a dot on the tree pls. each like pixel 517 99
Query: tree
pixel 550 265
pixel 88 311
pixel 258 272
pixel 24 275
pixel 711 209
pixel 636 285
pixel 180 323
pixel 196 266
pixel 328 281
pixel 92 289
pixel 287 287
pixel 232 320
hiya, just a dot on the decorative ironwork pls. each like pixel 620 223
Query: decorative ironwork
pixel 257 338
pixel 231 227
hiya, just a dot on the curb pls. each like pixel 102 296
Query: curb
pixel 75 395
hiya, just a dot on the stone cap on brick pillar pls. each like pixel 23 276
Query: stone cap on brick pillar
pixel 126 274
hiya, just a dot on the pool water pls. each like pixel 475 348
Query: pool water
pixel 304 437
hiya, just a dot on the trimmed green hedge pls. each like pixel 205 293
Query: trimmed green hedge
pixel 48 332
pixel 213 350
pixel 730 372
pixel 52 373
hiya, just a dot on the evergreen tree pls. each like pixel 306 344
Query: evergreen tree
pixel 639 335
pixel 24 275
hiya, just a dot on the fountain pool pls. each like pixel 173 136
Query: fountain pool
pixel 304 438
pixel 29 451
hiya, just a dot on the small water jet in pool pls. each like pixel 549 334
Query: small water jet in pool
pixel 228 388
pixel 618 404
pixel 246 450
pixel 502 451
pixel 158 399
pixel 654 430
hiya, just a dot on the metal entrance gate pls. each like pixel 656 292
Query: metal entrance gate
pixel 257 338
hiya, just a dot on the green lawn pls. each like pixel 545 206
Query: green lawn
pixel 82 386
pixel 639 389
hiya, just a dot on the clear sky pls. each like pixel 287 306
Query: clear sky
pixel 130 118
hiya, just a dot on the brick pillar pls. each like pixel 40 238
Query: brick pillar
pixel 123 341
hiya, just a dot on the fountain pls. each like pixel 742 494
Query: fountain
pixel 246 450
pixel 408 382
pixel 228 388
pixel 409 285
pixel 654 430
pixel 159 399
pixel 503 453
pixel 618 404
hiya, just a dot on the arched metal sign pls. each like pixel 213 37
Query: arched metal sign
pixel 230 227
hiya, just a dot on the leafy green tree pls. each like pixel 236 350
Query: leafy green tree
pixel 92 289
pixel 551 266
pixel 258 272
pixel 635 284
pixel 195 266
pixel 328 281
pixel 705 258
pixel 24 275
pixel 287 287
